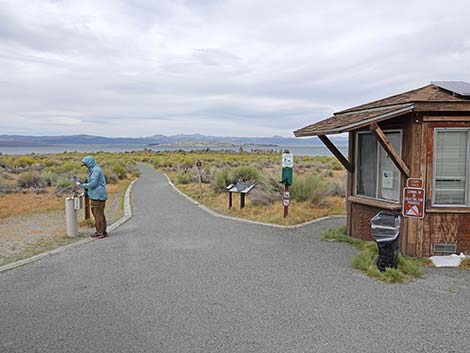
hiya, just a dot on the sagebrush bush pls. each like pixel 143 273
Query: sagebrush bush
pixel 221 179
pixel 184 178
pixel 4 187
pixel 23 161
pixel 244 173
pixel 311 188
pixel 119 170
pixel 30 180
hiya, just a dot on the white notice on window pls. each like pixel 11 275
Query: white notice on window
pixel 387 180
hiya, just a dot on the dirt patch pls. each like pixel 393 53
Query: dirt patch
pixel 45 227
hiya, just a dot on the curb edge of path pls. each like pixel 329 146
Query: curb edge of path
pixel 216 214
pixel 115 225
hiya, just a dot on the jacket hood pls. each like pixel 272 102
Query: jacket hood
pixel 89 162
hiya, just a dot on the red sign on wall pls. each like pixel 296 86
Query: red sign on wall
pixel 414 183
pixel 413 202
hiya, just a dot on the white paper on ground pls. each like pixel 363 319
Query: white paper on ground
pixel 447 261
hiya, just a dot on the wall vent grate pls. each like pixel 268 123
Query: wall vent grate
pixel 444 248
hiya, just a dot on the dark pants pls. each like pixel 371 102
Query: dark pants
pixel 97 208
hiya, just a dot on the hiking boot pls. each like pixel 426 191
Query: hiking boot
pixel 101 236
pixel 95 234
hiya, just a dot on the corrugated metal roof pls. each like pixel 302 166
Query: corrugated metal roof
pixel 459 87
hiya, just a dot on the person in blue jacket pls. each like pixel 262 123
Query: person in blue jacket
pixel 96 186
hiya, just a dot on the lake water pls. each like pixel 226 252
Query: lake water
pixel 296 150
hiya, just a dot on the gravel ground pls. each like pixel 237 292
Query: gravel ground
pixel 21 232
pixel 176 279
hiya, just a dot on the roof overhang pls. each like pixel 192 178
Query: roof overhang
pixel 350 121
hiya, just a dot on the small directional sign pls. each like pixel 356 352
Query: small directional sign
pixel 414 183
pixel 287 160
pixel 286 202
pixel 286 194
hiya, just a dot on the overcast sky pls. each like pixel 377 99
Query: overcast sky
pixel 235 67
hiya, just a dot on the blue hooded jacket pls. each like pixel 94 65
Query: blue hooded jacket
pixel 96 184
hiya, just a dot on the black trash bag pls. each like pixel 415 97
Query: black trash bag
pixel 388 254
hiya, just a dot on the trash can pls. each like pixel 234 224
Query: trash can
pixel 385 227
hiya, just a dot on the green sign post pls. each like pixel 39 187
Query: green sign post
pixel 286 179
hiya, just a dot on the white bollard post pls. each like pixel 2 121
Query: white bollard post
pixel 71 217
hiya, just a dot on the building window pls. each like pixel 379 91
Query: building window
pixel 451 169
pixel 377 176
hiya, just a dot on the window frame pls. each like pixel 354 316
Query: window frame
pixel 466 203
pixel 357 168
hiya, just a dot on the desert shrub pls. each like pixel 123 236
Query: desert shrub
pixel 111 178
pixel 184 178
pixel 68 168
pixel 50 178
pixel 63 185
pixel 273 185
pixel 23 161
pixel 221 179
pixel 338 189
pixel 4 187
pixel 336 165
pixel 260 196
pixel 119 170
pixel 246 173
pixel 30 180
pixel 135 173
pixel 311 188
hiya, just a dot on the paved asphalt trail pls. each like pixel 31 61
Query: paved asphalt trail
pixel 176 279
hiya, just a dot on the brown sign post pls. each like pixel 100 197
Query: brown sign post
pixel 198 167
pixel 413 199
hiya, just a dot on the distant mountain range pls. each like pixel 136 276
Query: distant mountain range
pixel 195 139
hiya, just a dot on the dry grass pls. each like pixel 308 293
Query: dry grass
pixel 465 264
pixel 299 212
pixel 29 203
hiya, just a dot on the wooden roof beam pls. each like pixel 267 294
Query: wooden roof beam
pixel 388 147
pixel 337 153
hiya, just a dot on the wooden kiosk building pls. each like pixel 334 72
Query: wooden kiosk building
pixel 424 133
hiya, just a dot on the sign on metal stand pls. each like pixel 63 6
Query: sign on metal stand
pixel 287 165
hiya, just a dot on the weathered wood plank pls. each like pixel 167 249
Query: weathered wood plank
pixel 375 203
pixel 442 106
pixel 390 150
pixel 346 164
pixel 447 118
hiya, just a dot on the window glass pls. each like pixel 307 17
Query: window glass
pixel 367 165
pixel 376 174
pixel 450 167
pixel 389 175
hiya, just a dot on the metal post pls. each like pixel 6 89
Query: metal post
pixel 286 208
pixel 229 199
pixel 71 217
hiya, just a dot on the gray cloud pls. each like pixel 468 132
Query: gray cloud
pixel 144 67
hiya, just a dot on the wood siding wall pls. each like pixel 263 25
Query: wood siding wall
pixel 439 225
